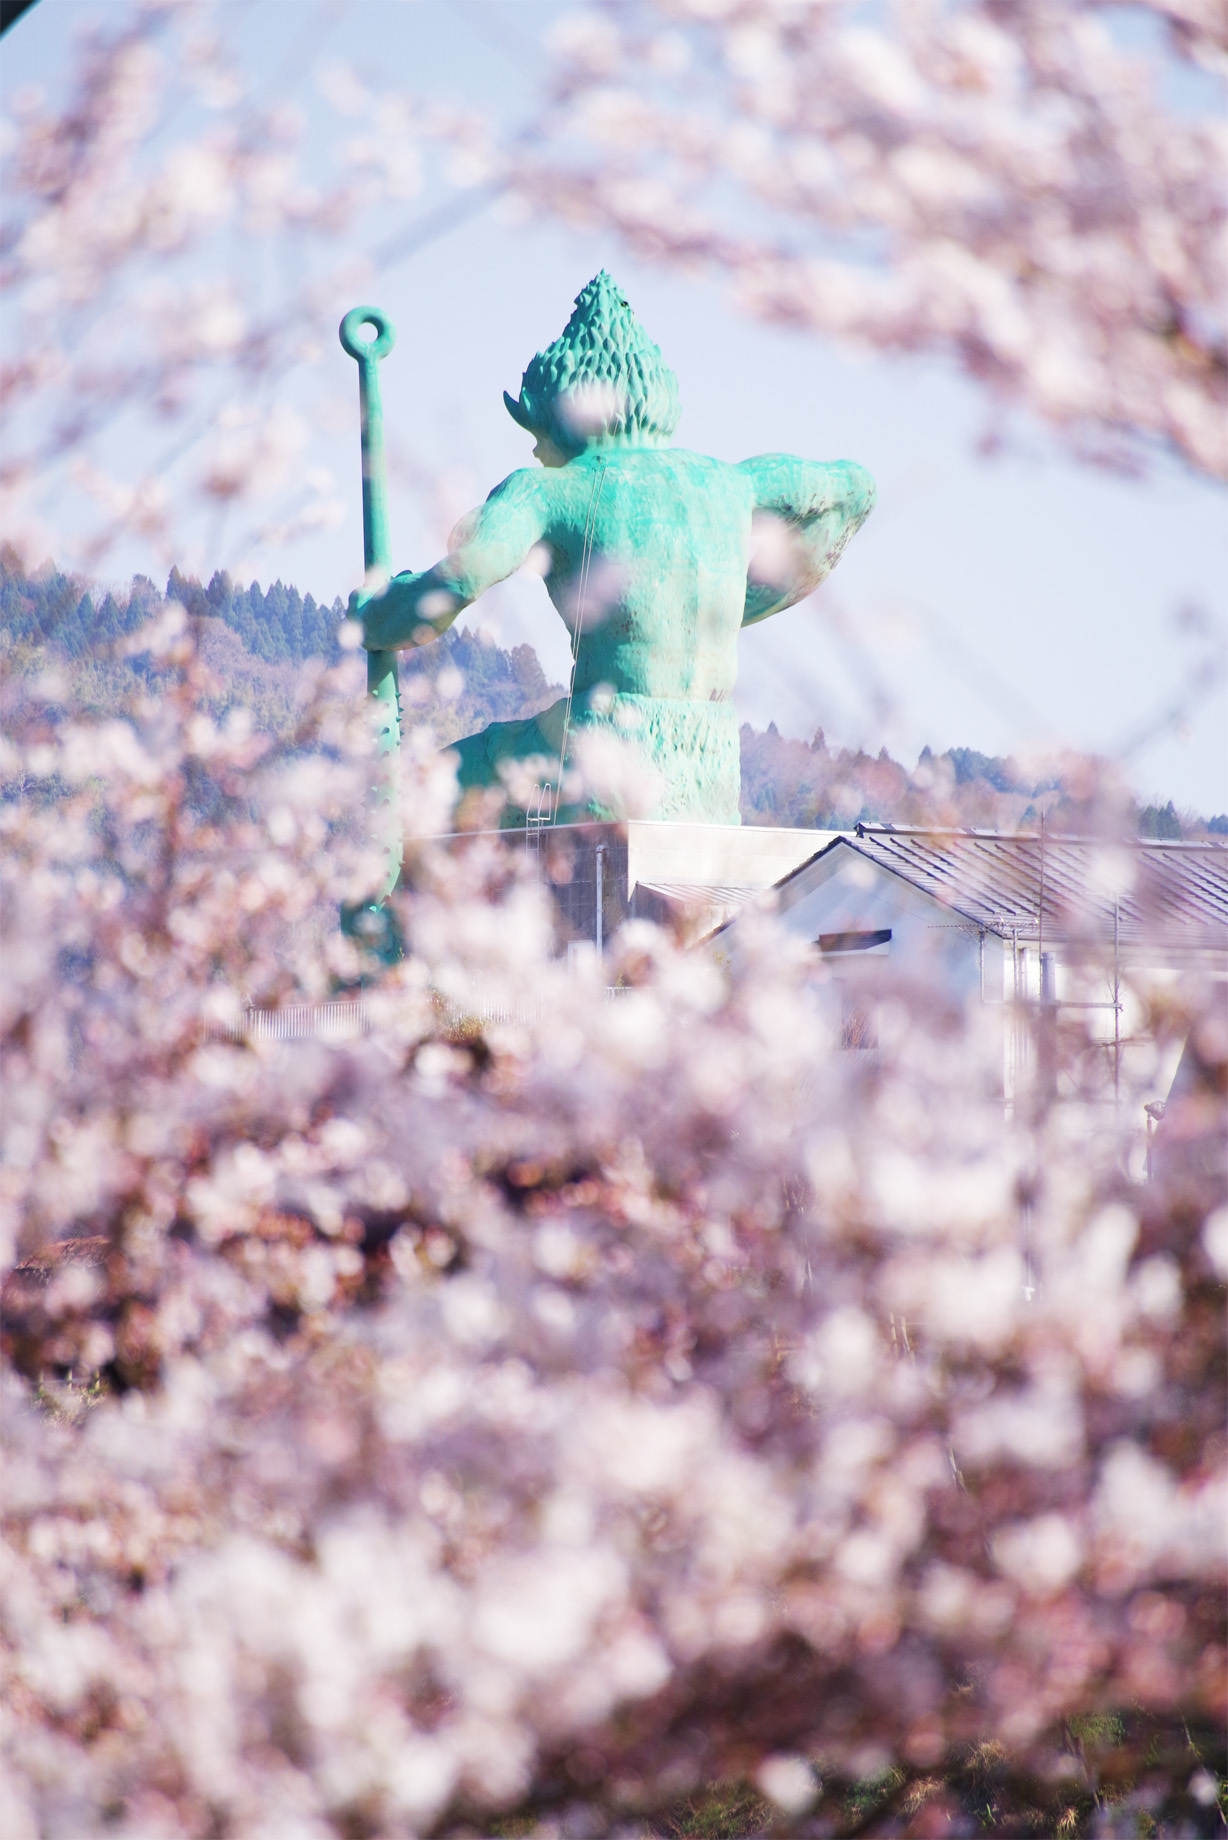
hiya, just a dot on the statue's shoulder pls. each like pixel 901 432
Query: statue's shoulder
pixel 523 487
pixel 700 472
pixel 788 481
pixel 702 463
pixel 769 471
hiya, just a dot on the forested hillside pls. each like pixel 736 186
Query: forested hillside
pixel 280 626
pixel 257 640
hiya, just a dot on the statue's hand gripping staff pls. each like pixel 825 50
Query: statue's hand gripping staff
pixel 382 683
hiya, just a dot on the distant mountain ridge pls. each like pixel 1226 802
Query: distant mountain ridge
pixel 257 640
pixel 805 784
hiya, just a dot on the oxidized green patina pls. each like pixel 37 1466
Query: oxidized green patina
pixel 656 559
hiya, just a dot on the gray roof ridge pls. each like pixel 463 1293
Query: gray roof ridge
pixel 954 830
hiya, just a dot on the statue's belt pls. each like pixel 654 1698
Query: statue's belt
pixel 692 746
pixel 656 722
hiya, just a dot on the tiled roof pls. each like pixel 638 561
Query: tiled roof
pixel 704 894
pixel 1064 887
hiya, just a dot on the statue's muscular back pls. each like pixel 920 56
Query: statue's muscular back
pixel 650 555
pixel 670 544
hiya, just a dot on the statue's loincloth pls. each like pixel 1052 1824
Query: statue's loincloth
pixel 690 751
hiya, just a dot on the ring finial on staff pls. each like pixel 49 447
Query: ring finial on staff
pixel 367 350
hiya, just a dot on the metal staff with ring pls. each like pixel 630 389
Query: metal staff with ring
pixel 382 685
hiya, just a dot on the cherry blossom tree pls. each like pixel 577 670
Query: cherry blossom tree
pixel 171 248
pixel 1013 185
pixel 531 1404
pixel 523 1405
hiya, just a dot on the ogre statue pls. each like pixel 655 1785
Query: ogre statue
pixel 656 558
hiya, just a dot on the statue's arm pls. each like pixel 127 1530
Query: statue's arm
pixel 487 546
pixel 805 512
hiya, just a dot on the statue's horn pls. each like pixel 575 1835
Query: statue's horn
pixel 517 413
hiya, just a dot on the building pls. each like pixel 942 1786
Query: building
pixel 1041 926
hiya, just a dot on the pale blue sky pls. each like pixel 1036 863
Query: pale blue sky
pixel 1003 603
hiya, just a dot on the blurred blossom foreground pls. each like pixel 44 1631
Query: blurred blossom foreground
pixel 469 1420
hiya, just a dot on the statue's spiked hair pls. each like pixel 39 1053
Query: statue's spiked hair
pixel 602 375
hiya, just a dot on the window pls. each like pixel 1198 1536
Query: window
pixel 853 942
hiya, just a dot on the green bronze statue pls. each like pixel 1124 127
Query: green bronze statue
pixel 656 558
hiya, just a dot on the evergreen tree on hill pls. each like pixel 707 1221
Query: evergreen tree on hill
pixel 1161 821
pixel 85 619
pixel 108 623
pixel 189 594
